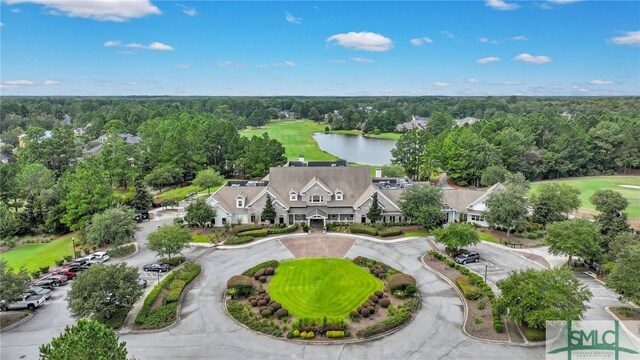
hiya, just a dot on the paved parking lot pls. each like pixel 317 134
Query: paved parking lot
pixel 494 272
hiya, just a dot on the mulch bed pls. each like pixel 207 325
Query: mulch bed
pixel 484 329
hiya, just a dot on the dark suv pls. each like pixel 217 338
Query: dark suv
pixel 156 267
pixel 467 257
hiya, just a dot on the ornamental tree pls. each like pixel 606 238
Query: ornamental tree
pixel 168 240
pixel 269 211
pixel 506 208
pixel 625 276
pixel 423 204
pixel 533 297
pixel 87 339
pixel 208 178
pixel 198 212
pixel 104 289
pixel 577 237
pixel 457 235
pixel 13 284
pixel 375 211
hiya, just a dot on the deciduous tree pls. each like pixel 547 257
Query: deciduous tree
pixel 208 178
pixel 625 276
pixel 457 235
pixel 199 213
pixel 87 339
pixel 577 237
pixel 422 203
pixel 552 202
pixel 168 240
pixel 112 226
pixel 611 215
pixel 506 208
pixel 13 283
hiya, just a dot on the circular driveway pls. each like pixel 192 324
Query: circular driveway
pixel 206 332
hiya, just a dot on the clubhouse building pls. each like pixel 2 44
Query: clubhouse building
pixel 317 193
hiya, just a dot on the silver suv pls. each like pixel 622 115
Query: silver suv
pixel 467 257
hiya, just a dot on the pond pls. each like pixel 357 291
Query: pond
pixel 356 148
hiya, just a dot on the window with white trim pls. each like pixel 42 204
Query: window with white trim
pixel 316 199
pixel 474 217
pixel 293 196
pixel 339 196
pixel 239 202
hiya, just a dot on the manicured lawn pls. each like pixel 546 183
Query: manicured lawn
pixel 589 185
pixel 416 233
pixel 318 287
pixel 180 192
pixel 296 138
pixel 35 256
pixel 198 238
pixel 487 237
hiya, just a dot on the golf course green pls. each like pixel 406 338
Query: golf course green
pixel 318 287
pixel 628 186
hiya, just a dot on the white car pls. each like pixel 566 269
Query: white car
pixel 97 257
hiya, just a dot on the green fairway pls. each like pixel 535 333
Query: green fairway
pixel 35 256
pixel 589 185
pixel 296 138
pixel 318 287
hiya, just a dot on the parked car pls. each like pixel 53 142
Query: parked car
pixel 75 269
pixel 156 267
pixel 66 272
pixel 142 282
pixel 467 257
pixel 37 290
pixel 46 283
pixel 30 302
pixel 58 280
pixel 79 262
pixel 99 257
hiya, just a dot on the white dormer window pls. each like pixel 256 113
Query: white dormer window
pixel 293 196
pixel 339 196
pixel 239 202
pixel 316 199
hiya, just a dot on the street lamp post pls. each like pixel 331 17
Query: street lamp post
pixel 486 265
pixel 73 244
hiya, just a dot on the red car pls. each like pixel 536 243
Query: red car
pixel 64 271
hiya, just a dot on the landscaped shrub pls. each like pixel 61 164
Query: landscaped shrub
pixel 259 273
pixel 269 271
pixel 392 231
pixel 410 290
pixel 121 251
pixel 373 264
pixel 282 313
pixel 335 334
pixel 286 230
pixel 533 334
pixel 173 295
pixel 261 302
pixel 160 317
pixel 469 291
pixel 44 269
pixel 173 261
pixel 363 229
pixel 365 312
pixel 240 282
pixel 244 315
pixel 59 262
pixel 310 335
pixel 275 306
pixel 305 227
pixel 354 315
pixel 400 315
pixel 374 298
pixel 400 281
pixel 262 279
pixel 255 233
pixel 237 240
pixel 296 333
pixel 379 294
pixel 384 303
pixel 245 227
pixel 271 263
pixel 266 313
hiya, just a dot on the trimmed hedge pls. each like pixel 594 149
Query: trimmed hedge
pixel 286 230
pixel 400 282
pixel 243 314
pixel 363 229
pixel 239 282
pixel 401 315
pixel 474 278
pixel 121 251
pixel 373 264
pixel 270 263
pixel 469 291
pixel 533 334
pixel 245 227
pixel 392 231
pixel 237 240
pixel 173 261
pixel 255 233
pixel 175 283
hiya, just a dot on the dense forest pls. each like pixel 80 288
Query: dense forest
pixel 65 156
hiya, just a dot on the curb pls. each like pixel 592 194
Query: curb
pixel 466 312
pixel 356 236
pixel 613 315
pixel 326 342
pixel 20 322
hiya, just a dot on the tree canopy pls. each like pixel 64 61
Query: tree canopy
pixel 625 276
pixel 375 211
pixel 86 339
pixel 553 201
pixel 422 203
pixel 113 226
pixel 457 235
pixel 208 178
pixel 577 237
pixel 506 208
pixel 13 283
pixel 168 240
pixel 199 213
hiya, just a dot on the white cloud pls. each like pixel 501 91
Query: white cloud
pixel 292 19
pixel 51 82
pixel 441 84
pixel 579 89
pixel 541 59
pixel 102 10
pixel 183 66
pixel 487 60
pixel 630 38
pixel 511 82
pixel 1 24
pixel 448 34
pixel 286 63
pixel 361 60
pixel 16 11
pixel 364 40
pixel 473 81
pixel 560 2
pixel 158 46
pixel 112 43
pixel 519 38
pixel 501 5
pixel 420 41
pixel 600 82
pixel 12 84
pixel 227 63
pixel 188 10
pixel 488 41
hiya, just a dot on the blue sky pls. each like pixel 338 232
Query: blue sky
pixel 494 47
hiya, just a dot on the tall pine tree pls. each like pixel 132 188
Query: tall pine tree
pixel 375 211
pixel 269 212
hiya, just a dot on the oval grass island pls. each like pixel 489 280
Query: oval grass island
pixel 322 299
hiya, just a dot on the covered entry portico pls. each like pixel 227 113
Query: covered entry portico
pixel 317 218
